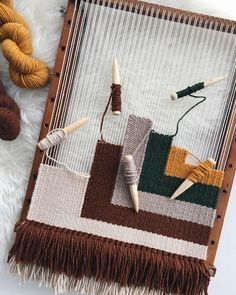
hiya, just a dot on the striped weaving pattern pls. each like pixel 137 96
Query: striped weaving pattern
pixel 94 233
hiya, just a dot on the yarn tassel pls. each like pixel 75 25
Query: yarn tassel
pixel 56 136
pixel 194 88
pixel 197 175
pixel 76 255
pixel 131 178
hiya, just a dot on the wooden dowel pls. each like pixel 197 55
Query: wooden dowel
pixel 74 126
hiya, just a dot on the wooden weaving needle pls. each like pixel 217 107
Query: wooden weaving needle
pixel 189 182
pixel 198 86
pixel 133 183
pixel 56 136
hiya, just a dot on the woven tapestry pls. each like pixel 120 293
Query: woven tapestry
pixel 82 234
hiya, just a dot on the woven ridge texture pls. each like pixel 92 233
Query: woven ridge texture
pixel 153 179
pixel 73 227
pixel 137 130
pixel 106 260
pixel 58 192
pixel 177 167
pixel 49 212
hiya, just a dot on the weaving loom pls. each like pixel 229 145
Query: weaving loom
pixel 77 229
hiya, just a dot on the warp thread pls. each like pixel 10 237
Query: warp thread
pixel 116 98
pixel 201 171
pixel 9 116
pixel 130 170
pixel 190 89
pixel 24 70
pixel 53 138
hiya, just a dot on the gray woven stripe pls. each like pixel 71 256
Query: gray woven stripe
pixel 136 129
pixel 177 209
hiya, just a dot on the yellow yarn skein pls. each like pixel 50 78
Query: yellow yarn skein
pixel 24 70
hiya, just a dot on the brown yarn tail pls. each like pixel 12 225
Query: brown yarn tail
pixel 115 100
pixel 79 254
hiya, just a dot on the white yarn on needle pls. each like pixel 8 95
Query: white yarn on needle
pixel 54 137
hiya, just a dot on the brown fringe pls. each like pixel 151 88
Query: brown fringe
pixel 77 254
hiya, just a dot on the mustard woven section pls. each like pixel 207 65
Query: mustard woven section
pixel 176 167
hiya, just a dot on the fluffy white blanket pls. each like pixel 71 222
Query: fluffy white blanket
pixel 45 22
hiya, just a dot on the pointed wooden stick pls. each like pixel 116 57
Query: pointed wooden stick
pixel 75 125
pixel 188 182
pixel 207 83
pixel 55 137
pixel 133 189
pixel 134 195
pixel 116 78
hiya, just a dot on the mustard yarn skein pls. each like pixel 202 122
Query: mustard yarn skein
pixel 24 70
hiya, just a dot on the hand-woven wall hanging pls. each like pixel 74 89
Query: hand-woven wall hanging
pixel 77 229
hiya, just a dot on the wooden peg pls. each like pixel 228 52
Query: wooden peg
pixel 75 125
pixel 213 81
pixel 133 187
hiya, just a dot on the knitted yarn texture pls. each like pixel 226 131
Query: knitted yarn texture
pixel 9 116
pixel 24 70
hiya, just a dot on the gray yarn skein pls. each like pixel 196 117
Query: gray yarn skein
pixel 130 171
pixel 53 138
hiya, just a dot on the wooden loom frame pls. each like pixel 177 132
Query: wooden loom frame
pixel 228 150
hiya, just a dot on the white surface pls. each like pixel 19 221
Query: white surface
pixel 14 173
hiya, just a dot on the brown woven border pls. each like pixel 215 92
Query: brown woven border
pixel 230 134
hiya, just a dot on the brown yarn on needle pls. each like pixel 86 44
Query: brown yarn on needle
pixel 116 98
pixel 9 116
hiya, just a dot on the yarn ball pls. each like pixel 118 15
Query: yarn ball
pixel 9 116
pixel 24 70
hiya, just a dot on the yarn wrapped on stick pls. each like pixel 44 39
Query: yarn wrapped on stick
pixel 195 176
pixel 24 70
pixel 56 136
pixel 9 116
pixel 131 178
pixel 116 89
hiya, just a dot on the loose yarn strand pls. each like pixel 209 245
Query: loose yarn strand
pixel 141 142
pixel 194 156
pixel 64 165
pixel 188 111
pixel 115 92
pixel 24 70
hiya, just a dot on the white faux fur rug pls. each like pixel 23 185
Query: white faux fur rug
pixel 16 157
pixel 45 22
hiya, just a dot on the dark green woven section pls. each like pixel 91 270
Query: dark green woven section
pixel 153 179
